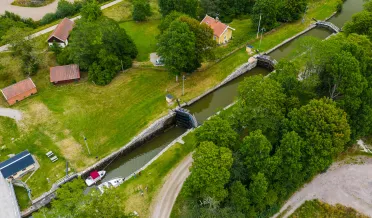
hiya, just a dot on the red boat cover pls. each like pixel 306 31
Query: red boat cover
pixel 94 174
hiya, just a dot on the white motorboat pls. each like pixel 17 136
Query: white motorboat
pixel 94 177
pixel 110 184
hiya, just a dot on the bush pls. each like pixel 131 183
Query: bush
pixel 340 5
pixel 141 10
pixel 64 9
pixel 48 18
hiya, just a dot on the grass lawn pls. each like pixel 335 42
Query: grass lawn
pixel 144 36
pixel 123 11
pixel 22 197
pixel 316 208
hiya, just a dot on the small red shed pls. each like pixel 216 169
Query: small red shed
pixel 61 33
pixel 19 91
pixel 64 74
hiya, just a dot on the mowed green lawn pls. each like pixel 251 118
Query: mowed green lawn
pixel 144 36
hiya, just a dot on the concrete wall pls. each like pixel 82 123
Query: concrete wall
pixel 238 72
pixel 154 129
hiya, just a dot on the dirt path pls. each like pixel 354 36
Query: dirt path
pixel 14 114
pixel 346 184
pixel 170 190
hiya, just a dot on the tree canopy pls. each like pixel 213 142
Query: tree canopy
pixel 210 171
pixel 101 47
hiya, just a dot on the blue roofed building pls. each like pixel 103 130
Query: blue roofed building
pixel 18 165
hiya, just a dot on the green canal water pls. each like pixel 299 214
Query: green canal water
pixel 125 165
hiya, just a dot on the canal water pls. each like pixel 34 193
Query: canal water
pixel 123 166
pixel 350 7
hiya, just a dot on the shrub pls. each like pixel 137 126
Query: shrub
pixel 141 10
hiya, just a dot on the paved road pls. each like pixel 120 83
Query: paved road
pixel 346 184
pixel 49 29
pixel 14 114
pixel 170 190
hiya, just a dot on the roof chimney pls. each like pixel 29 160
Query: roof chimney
pixel 217 19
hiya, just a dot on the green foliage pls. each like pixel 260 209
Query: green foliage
pixel 316 208
pixel 110 50
pixel 289 173
pixel 361 23
pixel 177 47
pixel 256 152
pixel 210 171
pixel 23 48
pixel 10 20
pixel 225 9
pixel 141 10
pixel 188 7
pixel 324 128
pixel 291 10
pixel 72 202
pixel 167 20
pixel 258 190
pixel 219 132
pixel 261 106
pixel 64 9
pixel 91 11
pixel 268 11
pixel 239 198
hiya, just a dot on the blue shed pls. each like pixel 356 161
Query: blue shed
pixel 18 165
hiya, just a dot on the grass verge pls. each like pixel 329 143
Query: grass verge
pixel 316 208
pixel 22 197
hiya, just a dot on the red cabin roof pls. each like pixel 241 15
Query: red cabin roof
pixel 18 88
pixel 94 174
pixel 217 26
pixel 63 30
pixel 64 73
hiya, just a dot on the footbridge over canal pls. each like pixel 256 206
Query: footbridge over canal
pixel 327 25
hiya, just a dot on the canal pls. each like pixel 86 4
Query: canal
pixel 123 166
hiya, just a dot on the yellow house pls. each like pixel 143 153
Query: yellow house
pixel 222 33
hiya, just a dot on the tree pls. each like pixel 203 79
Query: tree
pixel 109 204
pixel 204 42
pixel 324 128
pixel 22 47
pixel 68 200
pixel 267 10
pixel 91 11
pixel 177 47
pixel 361 23
pixel 256 152
pixel 239 199
pixel 106 48
pixel 289 172
pixel 291 10
pixel 188 7
pixel 141 10
pixel 218 131
pixel 209 171
pixel 260 106
pixel 167 20
pixel 258 190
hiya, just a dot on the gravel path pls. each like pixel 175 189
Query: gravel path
pixel 346 184
pixel 170 190
pixel 14 114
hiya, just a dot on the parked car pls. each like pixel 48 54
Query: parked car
pixel 160 61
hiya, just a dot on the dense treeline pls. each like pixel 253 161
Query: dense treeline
pixel 283 131
pixel 272 11
pixel 9 20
